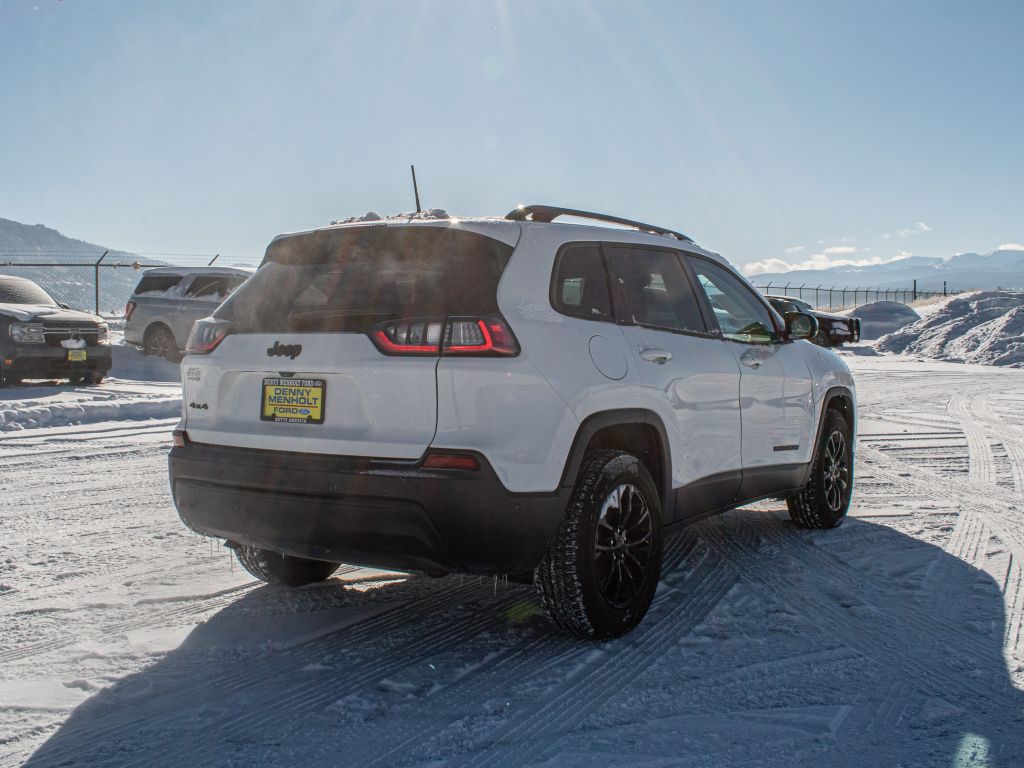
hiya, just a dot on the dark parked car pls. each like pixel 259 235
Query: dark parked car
pixel 833 329
pixel 43 339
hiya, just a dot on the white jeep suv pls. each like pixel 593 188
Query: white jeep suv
pixel 502 396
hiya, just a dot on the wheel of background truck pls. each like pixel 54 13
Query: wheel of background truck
pixel 94 380
pixel 283 570
pixel 825 499
pixel 77 379
pixel 598 576
pixel 159 341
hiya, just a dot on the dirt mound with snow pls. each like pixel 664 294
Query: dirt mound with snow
pixel 881 317
pixel 986 328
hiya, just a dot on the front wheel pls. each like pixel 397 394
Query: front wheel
pixel 824 501
pixel 598 577
pixel 283 570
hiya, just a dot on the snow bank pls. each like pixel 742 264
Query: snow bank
pixel 139 387
pixel 986 328
pixel 881 317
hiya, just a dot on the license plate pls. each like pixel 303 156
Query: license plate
pixel 293 401
pixel 77 355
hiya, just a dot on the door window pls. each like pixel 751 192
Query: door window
pixel 656 289
pixel 581 289
pixel 738 312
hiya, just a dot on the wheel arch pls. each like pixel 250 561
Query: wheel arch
pixel 840 399
pixel 636 430
pixel 153 326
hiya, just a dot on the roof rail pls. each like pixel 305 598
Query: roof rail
pixel 549 213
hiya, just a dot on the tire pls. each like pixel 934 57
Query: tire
pixel 160 342
pixel 824 501
pixel 283 570
pixel 95 380
pixel 599 574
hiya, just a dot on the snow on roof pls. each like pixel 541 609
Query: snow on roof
pixel 246 271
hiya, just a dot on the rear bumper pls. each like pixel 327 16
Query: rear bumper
pixel 41 361
pixel 375 512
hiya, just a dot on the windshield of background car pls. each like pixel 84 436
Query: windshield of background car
pixel 347 280
pixel 24 292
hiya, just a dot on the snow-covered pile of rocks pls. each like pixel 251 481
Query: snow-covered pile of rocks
pixel 985 328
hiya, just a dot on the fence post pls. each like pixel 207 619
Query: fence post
pixel 915 290
pixel 943 287
pixel 96 278
pixel 816 303
pixel 830 305
pixel 215 257
pixel 844 298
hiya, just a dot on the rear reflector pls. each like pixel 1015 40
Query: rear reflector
pixel 180 438
pixel 451 461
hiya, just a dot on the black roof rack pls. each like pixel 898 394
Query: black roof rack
pixel 548 213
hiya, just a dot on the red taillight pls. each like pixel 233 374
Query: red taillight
pixel 451 461
pixel 180 438
pixel 206 335
pixel 408 337
pixel 129 308
pixel 489 335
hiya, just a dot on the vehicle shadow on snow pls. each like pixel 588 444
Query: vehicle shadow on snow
pixel 860 646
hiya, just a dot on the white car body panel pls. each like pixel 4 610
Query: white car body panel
pixel 523 413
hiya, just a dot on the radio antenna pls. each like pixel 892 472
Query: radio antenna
pixel 415 188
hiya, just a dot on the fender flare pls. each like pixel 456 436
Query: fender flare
pixel 830 394
pixel 592 424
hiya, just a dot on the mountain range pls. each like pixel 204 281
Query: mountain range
pixel 1003 268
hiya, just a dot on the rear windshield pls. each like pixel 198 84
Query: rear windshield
pixel 24 292
pixel 350 279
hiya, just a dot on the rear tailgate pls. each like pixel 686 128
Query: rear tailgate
pixel 298 371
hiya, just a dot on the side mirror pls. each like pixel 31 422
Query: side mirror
pixel 800 325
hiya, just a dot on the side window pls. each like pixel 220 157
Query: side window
pixel 740 315
pixel 214 287
pixel 581 288
pixel 656 289
pixel 157 283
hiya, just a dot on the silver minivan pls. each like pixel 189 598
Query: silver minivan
pixel 167 302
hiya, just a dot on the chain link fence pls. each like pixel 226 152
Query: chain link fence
pixel 103 282
pixel 846 297
pixel 100 283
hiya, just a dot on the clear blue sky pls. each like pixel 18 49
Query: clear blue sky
pixel 854 130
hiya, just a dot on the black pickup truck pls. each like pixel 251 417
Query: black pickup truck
pixel 832 329
pixel 43 339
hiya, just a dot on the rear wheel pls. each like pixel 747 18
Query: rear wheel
pixel 283 570
pixel 160 342
pixel 598 577
pixel 824 501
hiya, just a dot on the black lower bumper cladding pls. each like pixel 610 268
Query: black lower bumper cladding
pixel 374 512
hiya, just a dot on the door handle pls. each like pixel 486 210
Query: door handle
pixel 653 355
pixel 750 359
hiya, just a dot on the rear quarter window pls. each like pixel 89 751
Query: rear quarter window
pixel 580 285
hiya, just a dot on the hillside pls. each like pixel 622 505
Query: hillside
pixel 992 271
pixel 72 285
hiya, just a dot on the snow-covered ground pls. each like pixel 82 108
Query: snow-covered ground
pixel 138 387
pixel 894 640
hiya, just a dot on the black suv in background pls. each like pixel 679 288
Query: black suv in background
pixel 43 339
pixel 833 329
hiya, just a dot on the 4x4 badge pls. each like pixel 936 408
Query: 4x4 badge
pixel 284 350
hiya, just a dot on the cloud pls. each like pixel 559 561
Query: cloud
pixel 794 249
pixel 1004 247
pixel 835 249
pixel 816 261
pixel 917 229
